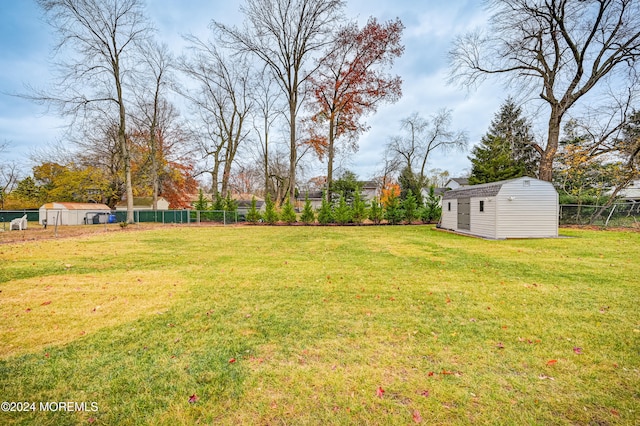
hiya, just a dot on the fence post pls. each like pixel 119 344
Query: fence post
pixel 606 223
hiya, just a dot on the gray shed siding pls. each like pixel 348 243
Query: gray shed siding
pixel 517 208
pixel 449 217
pixel 527 211
pixel 483 223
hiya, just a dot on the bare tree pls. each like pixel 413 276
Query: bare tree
pixel 8 175
pixel 223 101
pixel 267 111
pixel 562 49
pixel 155 112
pixel 421 138
pixel 103 37
pixel 284 34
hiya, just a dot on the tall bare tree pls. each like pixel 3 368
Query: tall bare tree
pixel 103 37
pixel 421 137
pixel 266 113
pixel 561 49
pixel 155 112
pixel 284 34
pixel 223 101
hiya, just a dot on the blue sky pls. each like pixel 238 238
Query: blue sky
pixel 25 58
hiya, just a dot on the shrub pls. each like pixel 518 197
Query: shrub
pixel 307 216
pixel 288 214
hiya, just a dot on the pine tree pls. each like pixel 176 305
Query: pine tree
pixel 253 215
pixel 392 210
pixel 288 214
pixel 410 207
pixel 375 212
pixel 342 213
pixel 506 151
pixel 359 209
pixel 201 203
pixel 307 216
pixel 432 209
pixel 270 213
pixel 325 214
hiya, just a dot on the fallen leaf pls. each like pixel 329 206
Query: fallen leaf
pixel 193 398
pixel 425 393
pixel 545 377
pixel 552 361
pixel 91 420
pixel 417 417
pixel 232 360
pixel 430 373
pixel 577 350
pixel 500 345
pixel 379 392
pixel 447 372
pixel 46 303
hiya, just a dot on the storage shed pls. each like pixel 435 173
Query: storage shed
pixel 74 213
pixel 517 208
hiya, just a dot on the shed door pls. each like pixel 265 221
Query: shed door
pixel 464 213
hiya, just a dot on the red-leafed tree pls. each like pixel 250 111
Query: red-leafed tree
pixel 350 82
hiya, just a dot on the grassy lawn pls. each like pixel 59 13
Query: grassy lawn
pixel 322 325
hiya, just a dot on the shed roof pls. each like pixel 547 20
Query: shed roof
pixel 483 190
pixel 76 206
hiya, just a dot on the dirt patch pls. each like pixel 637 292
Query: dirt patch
pixel 37 232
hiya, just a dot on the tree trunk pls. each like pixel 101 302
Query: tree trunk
pixel 330 156
pixel 266 158
pixel 547 157
pixel 293 155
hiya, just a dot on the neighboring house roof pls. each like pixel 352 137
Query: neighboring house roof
pixel 75 206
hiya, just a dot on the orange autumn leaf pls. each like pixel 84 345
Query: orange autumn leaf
pixel 552 361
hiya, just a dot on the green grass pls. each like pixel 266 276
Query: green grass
pixel 458 330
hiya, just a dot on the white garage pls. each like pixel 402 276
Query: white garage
pixel 74 213
pixel 517 208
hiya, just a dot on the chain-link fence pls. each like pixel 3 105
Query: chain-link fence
pixel 626 215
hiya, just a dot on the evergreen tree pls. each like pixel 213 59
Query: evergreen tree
pixel 307 216
pixel 376 212
pixel 288 214
pixel 410 207
pixel 432 209
pixel 201 203
pixel 392 209
pixel 342 212
pixel 218 203
pixel 506 151
pixel 359 209
pixel 409 182
pixel 325 214
pixel 253 215
pixel 270 213
pixel 230 205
